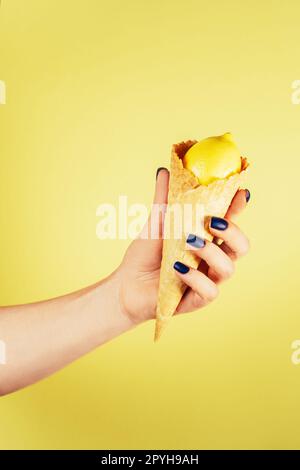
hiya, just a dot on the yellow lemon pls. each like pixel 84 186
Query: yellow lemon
pixel 213 158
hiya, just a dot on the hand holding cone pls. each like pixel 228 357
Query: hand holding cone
pixel 194 183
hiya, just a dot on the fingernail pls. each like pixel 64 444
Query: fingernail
pixel 181 268
pixel 159 169
pixel 218 223
pixel 195 241
pixel 247 195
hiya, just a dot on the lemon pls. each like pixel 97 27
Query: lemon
pixel 213 158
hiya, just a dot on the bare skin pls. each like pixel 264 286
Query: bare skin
pixel 44 337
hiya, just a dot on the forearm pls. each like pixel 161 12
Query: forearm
pixel 43 337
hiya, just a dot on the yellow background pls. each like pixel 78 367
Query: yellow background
pixel 97 91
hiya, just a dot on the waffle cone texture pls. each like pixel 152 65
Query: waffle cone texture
pixel 184 190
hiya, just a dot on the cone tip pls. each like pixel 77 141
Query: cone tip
pixel 160 325
pixel 158 331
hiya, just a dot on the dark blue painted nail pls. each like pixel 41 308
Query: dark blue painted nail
pixel 159 169
pixel 181 268
pixel 247 195
pixel 196 242
pixel 218 223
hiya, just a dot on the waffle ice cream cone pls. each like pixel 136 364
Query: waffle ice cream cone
pixel 213 199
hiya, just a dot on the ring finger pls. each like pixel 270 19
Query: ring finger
pixel 220 265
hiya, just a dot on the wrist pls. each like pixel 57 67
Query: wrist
pixel 105 316
pixel 116 286
pixel 129 303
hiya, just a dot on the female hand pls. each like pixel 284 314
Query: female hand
pixel 42 337
pixel 139 271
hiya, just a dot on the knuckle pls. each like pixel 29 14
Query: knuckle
pixel 211 292
pixel 244 247
pixel 197 301
pixel 229 269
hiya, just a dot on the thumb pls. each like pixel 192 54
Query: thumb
pixel 156 219
pixel 154 225
pixel 162 186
